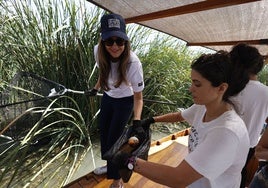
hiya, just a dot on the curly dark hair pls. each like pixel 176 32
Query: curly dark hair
pixel 217 68
pixel 247 57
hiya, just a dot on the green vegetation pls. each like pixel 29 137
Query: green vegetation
pixel 166 69
pixel 41 156
pixel 263 76
pixel 53 39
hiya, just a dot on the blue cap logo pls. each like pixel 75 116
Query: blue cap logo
pixel 113 25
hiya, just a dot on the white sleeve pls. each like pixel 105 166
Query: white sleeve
pixel 215 154
pixel 135 73
pixel 190 113
pixel 137 81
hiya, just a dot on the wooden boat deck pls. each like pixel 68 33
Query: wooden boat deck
pixel 169 150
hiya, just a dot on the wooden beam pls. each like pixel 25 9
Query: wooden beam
pixel 195 7
pixel 229 43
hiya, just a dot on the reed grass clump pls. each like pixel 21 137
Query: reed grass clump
pixel 48 150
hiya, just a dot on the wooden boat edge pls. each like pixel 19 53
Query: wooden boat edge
pixel 98 178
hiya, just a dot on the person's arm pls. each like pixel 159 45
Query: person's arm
pixel 261 150
pixel 198 163
pixel 94 90
pixel 138 105
pixel 179 176
pixel 170 117
pixel 97 85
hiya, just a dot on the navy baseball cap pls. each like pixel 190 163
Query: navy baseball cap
pixel 113 25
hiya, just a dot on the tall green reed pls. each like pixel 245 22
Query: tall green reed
pixel 50 151
pixel 263 75
pixel 166 63
pixel 54 39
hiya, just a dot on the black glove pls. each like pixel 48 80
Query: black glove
pixel 138 131
pixel 123 160
pixel 125 163
pixel 92 92
pixel 145 123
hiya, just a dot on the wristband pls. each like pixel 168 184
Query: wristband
pixel 131 162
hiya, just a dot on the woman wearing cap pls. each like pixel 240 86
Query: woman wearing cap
pixel 121 79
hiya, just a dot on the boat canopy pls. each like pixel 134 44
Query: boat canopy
pixel 214 24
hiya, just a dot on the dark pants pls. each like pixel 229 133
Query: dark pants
pixel 244 170
pixel 114 116
pixel 260 179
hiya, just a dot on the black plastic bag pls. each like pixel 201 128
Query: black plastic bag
pixel 141 151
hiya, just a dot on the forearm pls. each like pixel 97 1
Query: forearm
pixel 161 174
pixel 97 85
pixel 170 117
pixel 138 105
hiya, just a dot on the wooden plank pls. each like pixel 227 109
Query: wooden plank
pixel 230 43
pixel 87 181
pixel 167 150
pixel 173 136
pixel 186 9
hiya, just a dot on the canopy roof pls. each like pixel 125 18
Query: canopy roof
pixel 215 24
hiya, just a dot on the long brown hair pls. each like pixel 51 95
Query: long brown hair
pixel 105 65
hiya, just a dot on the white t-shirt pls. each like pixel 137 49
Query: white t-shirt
pixel 252 105
pixel 134 77
pixel 217 149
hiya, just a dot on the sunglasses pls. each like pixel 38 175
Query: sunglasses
pixel 118 41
